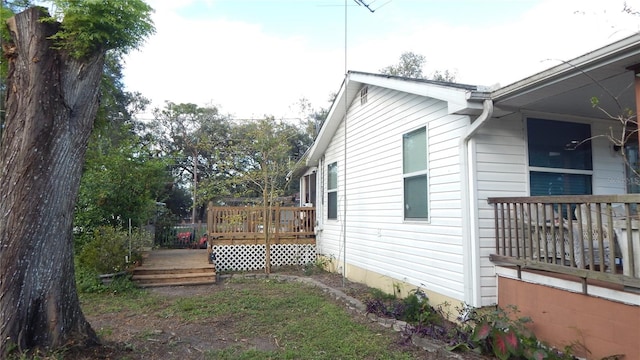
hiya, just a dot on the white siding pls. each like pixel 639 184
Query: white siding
pixel 608 165
pixel 429 254
pixel 426 254
pixel 501 169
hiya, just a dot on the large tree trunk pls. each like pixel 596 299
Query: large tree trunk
pixel 51 106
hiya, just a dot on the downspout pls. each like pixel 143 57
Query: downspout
pixel 471 247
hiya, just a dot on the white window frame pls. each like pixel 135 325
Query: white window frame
pixel 423 172
pixel 332 190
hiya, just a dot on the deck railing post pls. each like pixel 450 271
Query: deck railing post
pixel 586 236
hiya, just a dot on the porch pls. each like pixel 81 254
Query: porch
pixel 590 237
pixel 253 238
pixel 572 265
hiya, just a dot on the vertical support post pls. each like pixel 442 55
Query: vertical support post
pixel 276 223
pixel 267 246
pixel 195 186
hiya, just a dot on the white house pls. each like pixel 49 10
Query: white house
pixel 402 170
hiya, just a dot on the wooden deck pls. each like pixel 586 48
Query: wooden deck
pixel 173 267
pixel 245 225
pixel 243 238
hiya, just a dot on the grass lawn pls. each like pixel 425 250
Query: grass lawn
pixel 238 319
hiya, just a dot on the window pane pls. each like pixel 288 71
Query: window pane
pixel 545 183
pixel 414 151
pixel 415 197
pixel 332 207
pixel 558 144
pixel 633 182
pixel 332 173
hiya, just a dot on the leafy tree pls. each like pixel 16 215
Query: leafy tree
pixel 55 70
pixel 178 201
pixel 122 178
pixel 121 181
pixel 195 138
pixel 311 119
pixel 445 76
pixel 410 66
pixel 265 148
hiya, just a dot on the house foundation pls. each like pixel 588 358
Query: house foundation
pixel 390 285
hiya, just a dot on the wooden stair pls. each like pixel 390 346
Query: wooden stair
pixel 174 268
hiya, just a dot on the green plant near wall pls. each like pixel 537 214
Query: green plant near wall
pixel 417 309
pixel 504 334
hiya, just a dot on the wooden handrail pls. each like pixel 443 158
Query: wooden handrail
pixel 579 235
pixel 249 221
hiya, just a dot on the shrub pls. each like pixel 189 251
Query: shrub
pixel 502 333
pixel 424 320
pixel 89 281
pixel 107 250
pixel 497 332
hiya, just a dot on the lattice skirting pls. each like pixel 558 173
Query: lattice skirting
pixel 252 257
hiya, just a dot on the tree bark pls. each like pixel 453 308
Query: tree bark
pixel 52 101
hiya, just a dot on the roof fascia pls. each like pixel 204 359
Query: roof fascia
pixel 428 89
pixel 580 65
pixel 461 99
pixel 334 117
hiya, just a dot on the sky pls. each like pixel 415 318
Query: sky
pixel 252 58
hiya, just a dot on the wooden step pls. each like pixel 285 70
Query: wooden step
pixel 142 270
pixel 168 279
pixel 180 283
pixel 174 268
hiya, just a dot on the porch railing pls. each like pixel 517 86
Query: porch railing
pixel 591 236
pixel 247 224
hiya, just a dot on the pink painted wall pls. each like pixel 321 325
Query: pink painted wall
pixel 561 318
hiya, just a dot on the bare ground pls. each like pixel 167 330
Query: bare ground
pixel 130 335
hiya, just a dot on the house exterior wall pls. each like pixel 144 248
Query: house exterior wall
pixel 501 169
pixel 379 242
pixel 499 152
pixel 603 327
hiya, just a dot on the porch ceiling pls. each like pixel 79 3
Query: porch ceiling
pixel 574 97
pixel 569 87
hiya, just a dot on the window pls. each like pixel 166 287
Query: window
pixel 332 191
pixel 363 95
pixel 414 168
pixel 632 166
pixel 559 157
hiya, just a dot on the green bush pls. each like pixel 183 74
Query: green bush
pixel 106 251
pixel 504 334
pixel 87 280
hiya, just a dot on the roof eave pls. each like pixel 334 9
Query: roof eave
pixel 329 127
pixel 461 99
pixel 582 64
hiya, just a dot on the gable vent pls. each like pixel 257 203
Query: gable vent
pixel 363 95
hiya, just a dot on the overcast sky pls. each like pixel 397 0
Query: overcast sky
pixel 259 57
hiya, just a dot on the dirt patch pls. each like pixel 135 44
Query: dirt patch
pixel 130 335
